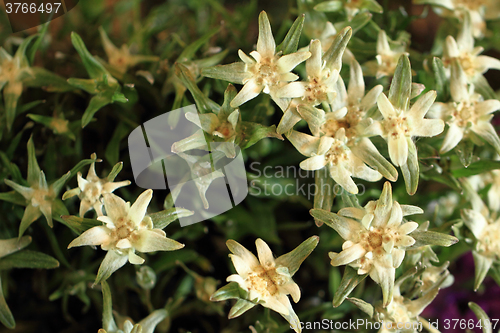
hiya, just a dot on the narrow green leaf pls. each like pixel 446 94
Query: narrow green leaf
pixel 482 266
pixel 203 103
pixel 291 41
pixel 411 169
pixel 96 103
pixel 329 6
pixel 482 316
pixel 108 322
pixel 476 168
pixel 333 56
pixel 47 80
pixel 362 305
pixel 250 133
pixel 440 77
pixel 230 291
pixel 189 52
pixel 163 218
pixel 432 238
pixel 6 316
pixel 240 308
pixel 349 281
pixel 94 68
pixel 80 224
pixel 400 91
pixel 28 259
pixel 324 198
pixel 294 258
pixel 9 246
pixel 115 171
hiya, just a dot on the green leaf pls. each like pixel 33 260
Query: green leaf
pixel 234 73
pixel 115 171
pixel 6 316
pixel 80 224
pixel 28 259
pixel 294 258
pixel 482 266
pixel 482 316
pixel 163 218
pixel 324 198
pixel 230 291
pixel 189 52
pixel 96 103
pixel 349 281
pixel 13 197
pixel 240 308
pixel 476 168
pixel 362 305
pixel 329 6
pixel 94 68
pixel 432 238
pixel 47 80
pixel 333 56
pixel 80 165
pixel 203 103
pixel 88 85
pixel 291 41
pixel 9 246
pixel 112 153
pixel 400 91
pixel 41 35
pixel 411 168
pixel 108 322
pixel 440 77
pixel 250 133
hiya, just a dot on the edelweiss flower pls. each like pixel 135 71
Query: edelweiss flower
pixel 463 50
pixel 120 59
pixel 403 314
pixel 39 195
pixel 479 11
pixel 318 88
pixel 222 126
pixel 349 111
pixel 333 153
pixel 352 7
pixel 90 190
pixel 485 226
pixel 387 57
pixel 401 123
pixel 12 72
pixel 467 115
pixel 376 238
pixel 268 281
pixel 126 229
pixel 265 71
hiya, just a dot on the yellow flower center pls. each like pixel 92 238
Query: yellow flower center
pixel 348 123
pixel 92 192
pixel 266 72
pixel 60 125
pixel 396 126
pixel 387 63
pixel 8 71
pixel 464 113
pixel 39 198
pixel 224 130
pixel 373 240
pixel 265 281
pixel 337 152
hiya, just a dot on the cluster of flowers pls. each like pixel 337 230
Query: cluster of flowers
pixel 341 120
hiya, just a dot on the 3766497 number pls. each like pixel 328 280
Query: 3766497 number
pixel 23 7
pixel 470 324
